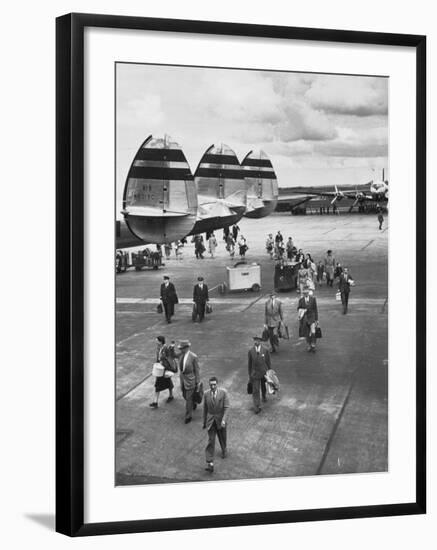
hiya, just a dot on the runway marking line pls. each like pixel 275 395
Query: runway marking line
pixel 368 244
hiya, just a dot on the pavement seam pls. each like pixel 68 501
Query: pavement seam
pixel 336 424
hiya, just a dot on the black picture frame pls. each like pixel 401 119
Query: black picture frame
pixel 70 272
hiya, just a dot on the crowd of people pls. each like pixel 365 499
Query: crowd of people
pixel 181 362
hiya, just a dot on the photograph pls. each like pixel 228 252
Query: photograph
pixel 251 262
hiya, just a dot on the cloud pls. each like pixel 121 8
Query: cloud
pixel 358 96
pixel 347 149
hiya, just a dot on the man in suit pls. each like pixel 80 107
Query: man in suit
pixel 189 377
pixel 344 286
pixel 168 298
pixel 258 365
pixel 200 297
pixel 308 318
pixel 273 317
pixel 215 414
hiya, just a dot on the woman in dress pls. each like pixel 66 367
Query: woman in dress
pixel 166 356
pixel 212 242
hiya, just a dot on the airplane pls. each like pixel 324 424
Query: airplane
pixel 262 185
pixel 373 191
pixel 163 202
pixel 221 190
pixel 159 198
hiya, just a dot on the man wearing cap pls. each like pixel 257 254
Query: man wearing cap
pixel 308 318
pixel 189 377
pixel 200 297
pixel 215 413
pixel 258 365
pixel 273 318
pixel 168 298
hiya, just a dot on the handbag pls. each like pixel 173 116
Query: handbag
pixel 318 332
pixel 159 308
pixel 338 296
pixel 208 308
pixel 249 388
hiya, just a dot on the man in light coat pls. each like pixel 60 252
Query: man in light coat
pixel 258 365
pixel 215 415
pixel 189 377
pixel 273 318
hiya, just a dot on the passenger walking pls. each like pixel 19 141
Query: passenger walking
pixel 320 270
pixel 167 250
pixel 230 245
pixel 344 284
pixel 243 248
pixel 168 298
pixel 179 250
pixel 235 230
pixel 199 247
pixel 273 317
pixel 189 377
pixel 166 356
pixel 308 319
pixel 300 256
pixel 302 279
pixel 212 244
pixel 289 248
pixel 329 268
pixel 226 232
pixel 200 298
pixel 279 238
pixel 215 417
pixel 270 245
pixel 258 365
pixel 380 220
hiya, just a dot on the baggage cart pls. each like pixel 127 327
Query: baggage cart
pixel 242 276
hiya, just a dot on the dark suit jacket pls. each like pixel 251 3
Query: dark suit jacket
pixel 200 294
pixel 258 364
pixel 168 294
pixel 311 315
pixel 190 377
pixel 217 410
pixel 344 283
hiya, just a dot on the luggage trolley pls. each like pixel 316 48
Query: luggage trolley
pixel 242 276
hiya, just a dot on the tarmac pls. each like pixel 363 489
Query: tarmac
pixel 331 413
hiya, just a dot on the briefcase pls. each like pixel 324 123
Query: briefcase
pixel 249 388
pixel 265 334
pixel 198 394
pixel 159 308
pixel 318 332
pixel 194 312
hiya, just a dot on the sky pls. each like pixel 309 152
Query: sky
pixel 317 129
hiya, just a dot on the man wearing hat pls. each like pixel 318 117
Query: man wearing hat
pixel 273 318
pixel 200 297
pixel 258 365
pixel 168 298
pixel 308 318
pixel 189 377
